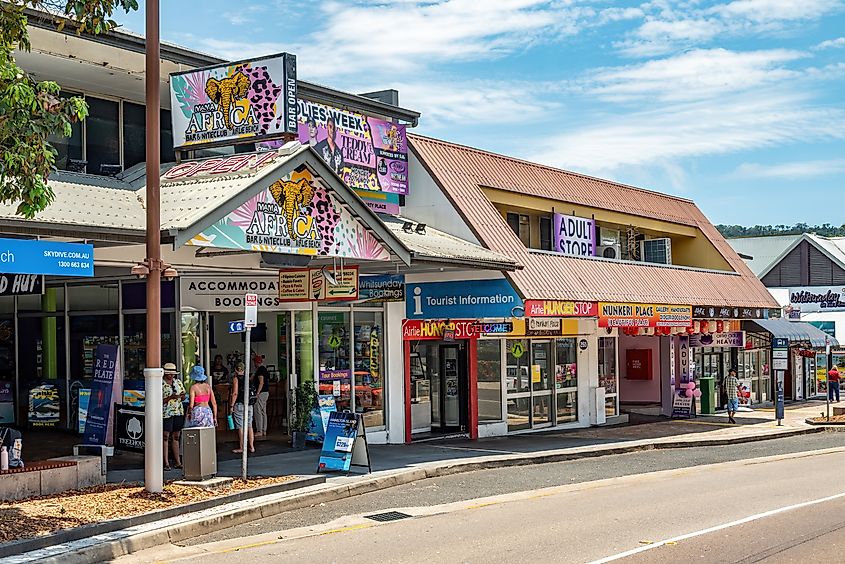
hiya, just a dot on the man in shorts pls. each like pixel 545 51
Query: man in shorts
pixel 732 391
pixel 172 395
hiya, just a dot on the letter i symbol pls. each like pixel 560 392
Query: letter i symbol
pixel 417 301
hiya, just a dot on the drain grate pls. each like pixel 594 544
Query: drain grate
pixel 388 516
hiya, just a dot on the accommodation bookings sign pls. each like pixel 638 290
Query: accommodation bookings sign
pixel 644 315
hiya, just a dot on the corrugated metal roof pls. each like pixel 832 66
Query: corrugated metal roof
pixel 439 246
pixel 797 332
pixel 763 250
pixel 463 171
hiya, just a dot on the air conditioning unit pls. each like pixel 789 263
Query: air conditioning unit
pixel 658 251
pixel 610 251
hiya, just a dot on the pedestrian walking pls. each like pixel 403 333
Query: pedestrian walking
pixel 833 383
pixel 172 393
pixel 203 406
pixel 242 414
pixel 732 392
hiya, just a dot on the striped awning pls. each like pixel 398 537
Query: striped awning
pixel 796 332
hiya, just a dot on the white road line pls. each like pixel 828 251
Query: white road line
pixel 717 528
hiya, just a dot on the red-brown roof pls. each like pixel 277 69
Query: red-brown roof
pixel 462 171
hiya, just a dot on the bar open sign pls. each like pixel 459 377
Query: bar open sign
pixel 251 310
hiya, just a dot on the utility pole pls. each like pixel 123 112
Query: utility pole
pixel 153 373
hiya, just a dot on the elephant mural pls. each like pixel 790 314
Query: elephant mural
pixel 291 196
pixel 225 91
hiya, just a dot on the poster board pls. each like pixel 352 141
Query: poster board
pixel 129 428
pixel 326 404
pixel 105 385
pixel 345 444
pixel 44 406
pixel 681 406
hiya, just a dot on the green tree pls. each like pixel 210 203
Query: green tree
pixel 31 111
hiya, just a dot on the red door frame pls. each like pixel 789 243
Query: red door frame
pixel 472 384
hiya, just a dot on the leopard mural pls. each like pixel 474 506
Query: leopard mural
pixel 302 198
pixel 263 93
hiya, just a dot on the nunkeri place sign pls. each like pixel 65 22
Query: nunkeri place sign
pixel 574 236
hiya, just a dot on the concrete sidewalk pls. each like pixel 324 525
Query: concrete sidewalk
pixel 395 465
pixel 755 425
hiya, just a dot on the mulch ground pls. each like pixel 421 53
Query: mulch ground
pixel 45 515
pixel 833 419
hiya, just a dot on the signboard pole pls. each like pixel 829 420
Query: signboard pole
pixel 827 377
pixel 245 424
pixel 250 321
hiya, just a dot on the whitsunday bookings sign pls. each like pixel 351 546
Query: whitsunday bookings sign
pixel 817 298
pixel 232 103
pixel 574 236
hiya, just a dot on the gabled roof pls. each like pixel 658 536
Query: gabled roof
pixel 462 172
pixel 768 251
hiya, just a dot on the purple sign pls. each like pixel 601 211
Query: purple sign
pixel 368 153
pixel 734 339
pixel 574 236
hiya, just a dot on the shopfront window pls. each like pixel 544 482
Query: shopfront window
pixel 566 380
pixel 7 360
pixel 43 360
pixel 190 335
pixel 86 332
pixel 489 380
pixel 334 349
pixel 135 343
pixel 103 136
pixel 608 375
pixel 369 368
pixel 303 337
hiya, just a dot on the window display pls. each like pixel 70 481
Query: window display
pixel 566 380
pixel 489 380
pixel 369 374
pixel 609 375
pixel 335 371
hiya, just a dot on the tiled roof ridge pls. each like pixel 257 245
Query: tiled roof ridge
pixel 550 168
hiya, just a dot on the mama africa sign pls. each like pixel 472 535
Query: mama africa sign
pixel 293 215
pixel 234 102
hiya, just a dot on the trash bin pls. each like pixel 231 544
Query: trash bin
pixel 708 399
pixel 199 453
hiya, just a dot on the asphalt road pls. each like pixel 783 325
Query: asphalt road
pixel 578 511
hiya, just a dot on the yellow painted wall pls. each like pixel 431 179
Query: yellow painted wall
pixel 690 247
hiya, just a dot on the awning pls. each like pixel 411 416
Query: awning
pixel 796 332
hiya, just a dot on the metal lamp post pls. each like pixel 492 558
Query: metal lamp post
pixel 153 373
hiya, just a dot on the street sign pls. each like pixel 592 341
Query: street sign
pixel 780 343
pixel 27 256
pixel 251 310
pixel 237 327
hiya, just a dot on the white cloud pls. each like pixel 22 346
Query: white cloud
pixel 695 75
pixel 729 124
pixel 669 27
pixel 837 43
pixel 791 170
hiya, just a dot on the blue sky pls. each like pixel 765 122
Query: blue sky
pixel 736 104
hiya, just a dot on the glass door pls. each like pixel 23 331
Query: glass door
pixel 450 387
pixel 519 385
pixel 541 383
pixel 566 380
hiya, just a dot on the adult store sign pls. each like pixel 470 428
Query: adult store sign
pixel 817 298
pixel 574 236
pixel 293 215
pixel 644 315
pixel 471 299
pixel 231 103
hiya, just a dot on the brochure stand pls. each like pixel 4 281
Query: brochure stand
pixel 345 444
